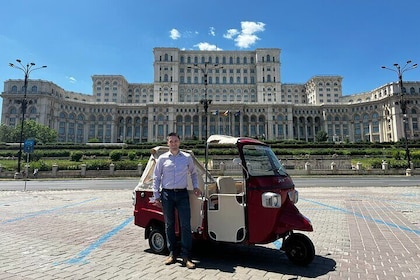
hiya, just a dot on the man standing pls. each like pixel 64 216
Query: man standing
pixel 170 181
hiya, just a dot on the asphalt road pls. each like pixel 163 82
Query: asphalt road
pixel 124 183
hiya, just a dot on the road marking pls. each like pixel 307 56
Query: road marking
pixel 31 215
pixel 80 258
pixel 404 228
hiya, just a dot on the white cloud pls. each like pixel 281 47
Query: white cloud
pixel 174 34
pixel 231 33
pixel 204 46
pixel 246 40
pixel 246 37
pixel 72 80
pixel 212 31
pixel 250 27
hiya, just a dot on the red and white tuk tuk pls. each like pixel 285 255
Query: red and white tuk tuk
pixel 257 207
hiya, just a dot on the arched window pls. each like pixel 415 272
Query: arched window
pixel 32 110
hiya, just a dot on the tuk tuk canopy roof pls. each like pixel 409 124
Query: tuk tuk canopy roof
pixel 226 139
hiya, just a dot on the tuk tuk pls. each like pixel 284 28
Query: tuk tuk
pixel 256 207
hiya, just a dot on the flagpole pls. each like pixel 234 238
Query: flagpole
pixel 230 124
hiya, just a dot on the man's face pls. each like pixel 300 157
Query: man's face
pixel 173 143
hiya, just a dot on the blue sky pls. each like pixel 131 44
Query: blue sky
pixel 80 38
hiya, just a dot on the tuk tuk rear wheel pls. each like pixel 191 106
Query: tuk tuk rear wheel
pixel 157 241
pixel 299 249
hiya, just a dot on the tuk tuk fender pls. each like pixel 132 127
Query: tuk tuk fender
pixel 290 219
pixel 144 212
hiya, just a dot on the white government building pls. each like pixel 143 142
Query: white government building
pixel 247 99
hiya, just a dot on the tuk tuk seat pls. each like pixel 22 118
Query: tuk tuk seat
pixel 226 185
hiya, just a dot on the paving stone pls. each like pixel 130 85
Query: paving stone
pixel 359 233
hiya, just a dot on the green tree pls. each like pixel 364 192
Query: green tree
pixel 39 132
pixel 31 130
pixel 6 133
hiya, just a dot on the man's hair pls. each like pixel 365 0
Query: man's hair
pixel 173 134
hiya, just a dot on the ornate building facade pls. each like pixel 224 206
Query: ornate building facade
pixel 242 90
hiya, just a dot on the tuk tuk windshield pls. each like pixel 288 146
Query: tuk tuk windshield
pixel 261 161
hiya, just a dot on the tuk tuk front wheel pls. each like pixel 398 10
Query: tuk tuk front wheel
pixel 157 241
pixel 299 249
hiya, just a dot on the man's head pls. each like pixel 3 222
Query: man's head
pixel 173 142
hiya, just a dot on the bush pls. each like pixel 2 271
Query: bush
pixel 41 165
pixel 76 156
pixel 132 155
pixel 98 164
pixel 126 165
pixel 115 155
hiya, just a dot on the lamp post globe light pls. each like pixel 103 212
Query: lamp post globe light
pixel 403 102
pixel 26 69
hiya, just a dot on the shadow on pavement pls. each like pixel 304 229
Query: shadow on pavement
pixel 226 257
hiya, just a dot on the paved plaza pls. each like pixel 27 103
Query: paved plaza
pixel 359 233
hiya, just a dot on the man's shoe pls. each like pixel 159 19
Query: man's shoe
pixel 188 264
pixel 170 260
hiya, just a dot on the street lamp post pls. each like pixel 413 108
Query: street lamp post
pixel 403 102
pixel 206 102
pixel 26 69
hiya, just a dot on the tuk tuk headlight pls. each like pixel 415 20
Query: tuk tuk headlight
pixel 293 196
pixel 271 200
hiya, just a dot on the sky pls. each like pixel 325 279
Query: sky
pixel 80 38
